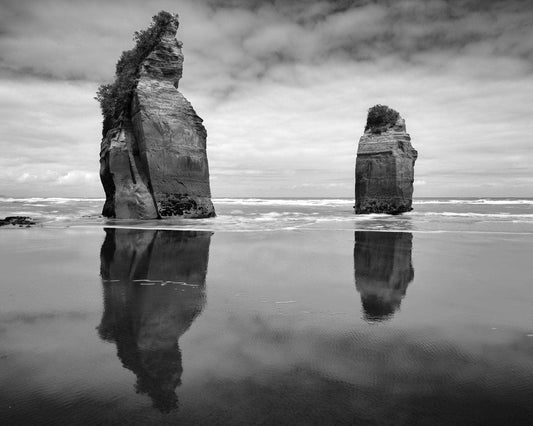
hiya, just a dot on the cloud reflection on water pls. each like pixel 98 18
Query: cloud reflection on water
pixel 248 364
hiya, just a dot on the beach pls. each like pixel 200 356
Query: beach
pixel 383 320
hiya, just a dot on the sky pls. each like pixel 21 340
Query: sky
pixel 283 87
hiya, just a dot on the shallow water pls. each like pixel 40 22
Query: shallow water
pixel 140 326
pixel 510 215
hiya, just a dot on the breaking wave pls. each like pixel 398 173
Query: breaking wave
pixel 474 215
pixel 285 201
pixel 53 200
pixel 488 201
pixel 276 214
pixel 349 201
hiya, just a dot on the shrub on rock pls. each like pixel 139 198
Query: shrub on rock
pixel 381 118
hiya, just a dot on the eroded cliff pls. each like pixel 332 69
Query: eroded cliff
pixel 384 170
pixel 153 160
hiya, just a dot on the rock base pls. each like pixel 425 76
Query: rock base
pixel 17 221
pixel 387 206
pixel 186 206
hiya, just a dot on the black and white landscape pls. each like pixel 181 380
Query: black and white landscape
pixel 266 212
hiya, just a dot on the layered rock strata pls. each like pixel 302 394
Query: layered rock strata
pixel 384 170
pixel 153 160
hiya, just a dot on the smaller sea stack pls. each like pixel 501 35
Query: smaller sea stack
pixel 384 169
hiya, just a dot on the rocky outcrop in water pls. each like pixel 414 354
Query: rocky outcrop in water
pixel 383 270
pixel 17 220
pixel 154 288
pixel 153 160
pixel 384 170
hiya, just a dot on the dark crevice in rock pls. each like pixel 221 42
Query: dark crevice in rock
pixel 132 172
pixel 141 147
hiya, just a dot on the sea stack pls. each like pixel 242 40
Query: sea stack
pixel 153 160
pixel 384 169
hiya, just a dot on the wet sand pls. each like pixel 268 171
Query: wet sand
pixel 292 327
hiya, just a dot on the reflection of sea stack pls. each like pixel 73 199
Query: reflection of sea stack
pixel 153 159
pixel 154 288
pixel 384 170
pixel 383 270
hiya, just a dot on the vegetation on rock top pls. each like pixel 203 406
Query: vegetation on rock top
pixel 115 98
pixel 381 118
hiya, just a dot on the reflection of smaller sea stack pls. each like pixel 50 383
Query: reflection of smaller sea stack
pixel 384 169
pixel 383 270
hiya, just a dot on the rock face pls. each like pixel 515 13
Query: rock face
pixel 154 288
pixel 383 270
pixel 384 170
pixel 153 160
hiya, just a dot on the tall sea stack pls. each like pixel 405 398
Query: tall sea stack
pixel 153 160
pixel 384 169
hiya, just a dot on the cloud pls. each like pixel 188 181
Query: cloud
pixel 82 40
pixel 49 138
pixel 77 177
pixel 283 88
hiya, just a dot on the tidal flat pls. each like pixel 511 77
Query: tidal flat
pixel 141 326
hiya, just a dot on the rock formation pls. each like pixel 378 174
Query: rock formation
pixel 383 270
pixel 17 220
pixel 384 170
pixel 153 160
pixel 154 288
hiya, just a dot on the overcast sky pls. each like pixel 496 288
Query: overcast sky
pixel 283 88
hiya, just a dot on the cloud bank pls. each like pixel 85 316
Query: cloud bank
pixel 283 87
